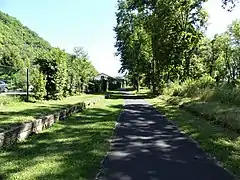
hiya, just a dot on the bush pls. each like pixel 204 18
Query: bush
pixel 190 87
pixel 206 82
pixel 53 65
pixel 173 89
pixel 39 84
pixel 6 100
pixel 226 94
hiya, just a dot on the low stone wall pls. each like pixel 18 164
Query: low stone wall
pixel 35 126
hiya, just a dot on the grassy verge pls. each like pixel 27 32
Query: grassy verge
pixel 17 112
pixel 71 149
pixel 222 143
pixel 225 115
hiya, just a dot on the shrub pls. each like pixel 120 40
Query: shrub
pixel 226 94
pixel 205 82
pixel 39 84
pixel 6 100
pixel 173 89
pixel 190 87
pixel 53 65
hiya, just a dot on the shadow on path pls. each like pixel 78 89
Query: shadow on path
pixel 148 147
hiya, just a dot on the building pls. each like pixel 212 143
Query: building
pixel 103 82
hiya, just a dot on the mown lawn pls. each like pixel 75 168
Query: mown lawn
pixel 222 143
pixel 71 149
pixel 17 112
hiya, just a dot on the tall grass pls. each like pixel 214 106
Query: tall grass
pixel 205 89
pixel 7 100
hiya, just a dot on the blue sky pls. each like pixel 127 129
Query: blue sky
pixel 89 23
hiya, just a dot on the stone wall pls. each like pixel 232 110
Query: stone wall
pixel 35 126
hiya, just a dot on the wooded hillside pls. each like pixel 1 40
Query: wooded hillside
pixel 53 72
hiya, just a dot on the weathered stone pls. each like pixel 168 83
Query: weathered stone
pixel 23 135
pixel 83 106
pixel 21 132
pixel 37 126
pixel 26 126
pixel 56 116
pixel 68 112
pixel 49 120
pixel 63 114
pixel 1 139
pixel 11 135
pixel 75 109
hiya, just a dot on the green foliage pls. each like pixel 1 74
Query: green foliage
pixel 161 41
pixel 80 142
pixel 173 89
pixel 225 94
pixel 142 25
pixel 53 72
pixel 39 84
pixel 221 143
pixel 8 100
pixel 190 87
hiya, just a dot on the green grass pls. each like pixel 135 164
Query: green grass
pixel 222 143
pixel 17 112
pixel 142 91
pixel 71 149
pixel 8 100
pixel 227 116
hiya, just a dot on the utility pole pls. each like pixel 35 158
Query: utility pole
pixel 27 78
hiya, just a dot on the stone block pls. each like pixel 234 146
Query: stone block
pixel 23 135
pixel 1 139
pixel 11 135
pixel 56 116
pixel 63 114
pixel 22 131
pixel 48 121
pixel 37 126
pixel 26 126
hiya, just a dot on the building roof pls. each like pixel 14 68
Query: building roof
pixel 105 76
pixel 99 76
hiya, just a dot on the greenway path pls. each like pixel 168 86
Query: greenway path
pixel 147 146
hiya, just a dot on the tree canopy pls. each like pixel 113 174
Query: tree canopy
pixel 53 72
pixel 164 40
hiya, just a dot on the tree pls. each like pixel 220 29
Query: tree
pixel 165 33
pixel 53 72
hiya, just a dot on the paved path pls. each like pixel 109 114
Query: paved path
pixel 148 147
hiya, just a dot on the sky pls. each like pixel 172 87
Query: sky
pixel 89 24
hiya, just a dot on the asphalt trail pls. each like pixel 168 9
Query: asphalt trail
pixel 149 147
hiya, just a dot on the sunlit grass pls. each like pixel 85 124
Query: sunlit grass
pixel 216 140
pixel 17 112
pixel 71 149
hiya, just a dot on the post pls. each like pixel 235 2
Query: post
pixel 27 86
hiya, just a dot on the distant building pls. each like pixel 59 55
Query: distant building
pixel 103 82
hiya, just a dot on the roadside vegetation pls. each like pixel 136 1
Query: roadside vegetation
pixel 220 142
pixel 163 45
pixel 71 149
pixel 53 73
pixel 15 111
